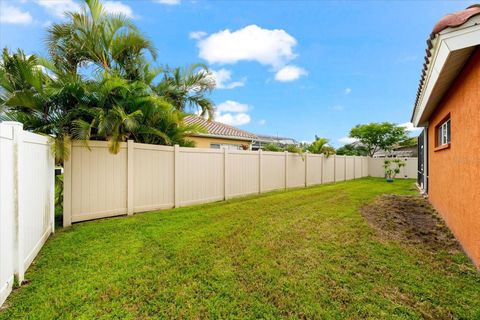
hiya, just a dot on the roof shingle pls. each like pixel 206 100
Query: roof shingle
pixel 219 129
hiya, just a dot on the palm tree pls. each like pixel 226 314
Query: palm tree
pixel 186 89
pixel 44 103
pixel 321 146
pixel 110 41
pixel 115 103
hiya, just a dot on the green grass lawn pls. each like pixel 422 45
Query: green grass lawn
pixel 306 253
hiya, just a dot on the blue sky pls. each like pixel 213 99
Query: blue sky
pixel 292 68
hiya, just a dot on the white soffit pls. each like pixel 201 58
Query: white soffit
pixel 450 53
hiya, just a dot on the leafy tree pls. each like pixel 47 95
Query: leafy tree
pixel 378 136
pixel 352 150
pixel 321 146
pixel 410 142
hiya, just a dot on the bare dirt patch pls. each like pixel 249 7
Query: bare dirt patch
pixel 409 219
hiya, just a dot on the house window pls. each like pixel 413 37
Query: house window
pixel 225 146
pixel 444 133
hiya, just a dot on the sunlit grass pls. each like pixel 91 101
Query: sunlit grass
pixel 305 253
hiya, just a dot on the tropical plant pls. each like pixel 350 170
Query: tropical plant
pixel 186 89
pixel 109 41
pixel 272 147
pixel 321 146
pixel 378 136
pixel 392 168
pixel 97 84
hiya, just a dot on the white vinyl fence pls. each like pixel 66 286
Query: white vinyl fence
pixel 143 177
pixel 26 200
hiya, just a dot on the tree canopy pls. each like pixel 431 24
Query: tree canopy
pixel 378 136
pixel 98 83
pixel 352 149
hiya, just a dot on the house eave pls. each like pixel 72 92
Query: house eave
pixel 450 50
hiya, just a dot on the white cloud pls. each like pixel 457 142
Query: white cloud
pixel 347 140
pixel 409 127
pixel 232 113
pixel 168 2
pixel 252 43
pixel 197 35
pixel 59 7
pixel 290 73
pixel 223 78
pixel 348 90
pixel 233 119
pixel 262 122
pixel 118 7
pixel 14 15
pixel 232 106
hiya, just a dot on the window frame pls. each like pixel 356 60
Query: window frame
pixel 443 133
pixel 228 146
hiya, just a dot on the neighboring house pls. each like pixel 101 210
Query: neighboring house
pixel 448 107
pixel 398 152
pixel 219 136
pixel 263 140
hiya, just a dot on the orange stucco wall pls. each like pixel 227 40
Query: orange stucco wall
pixel 454 173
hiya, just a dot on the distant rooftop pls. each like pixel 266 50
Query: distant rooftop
pixel 215 128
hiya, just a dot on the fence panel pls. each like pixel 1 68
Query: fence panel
pixel 200 175
pixel 36 197
pixel 27 188
pixel 243 169
pixel 153 177
pixel 99 181
pixel 350 168
pixel 314 163
pixel 7 211
pixel 339 168
pixel 296 171
pixel 365 167
pixel 273 171
pixel 358 167
pixel 328 169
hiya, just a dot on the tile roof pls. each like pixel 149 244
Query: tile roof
pixel 219 129
pixel 455 19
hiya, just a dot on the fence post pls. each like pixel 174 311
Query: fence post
pixel 260 170
pixel 130 176
pixel 225 174
pixel 176 192
pixel 67 188
pixel 354 164
pixel 51 194
pixel 345 168
pixel 334 168
pixel 322 167
pixel 19 267
pixel 306 169
pixel 286 169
